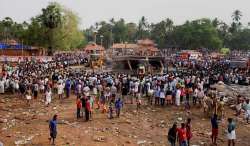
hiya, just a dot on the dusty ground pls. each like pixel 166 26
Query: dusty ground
pixel 22 124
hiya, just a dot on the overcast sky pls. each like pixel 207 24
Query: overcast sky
pixel 91 11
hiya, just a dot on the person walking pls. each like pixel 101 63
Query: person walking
pixel 118 106
pixel 48 95
pixel 60 89
pixel 189 132
pixel 87 109
pixel 53 129
pixel 28 97
pixel 177 96
pixel 247 110
pixel 231 134
pixel 111 109
pixel 182 135
pixel 172 134
pixel 215 129
pixel 78 107
pixel 68 87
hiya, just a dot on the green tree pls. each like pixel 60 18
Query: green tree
pixel 7 24
pixel 51 18
pixel 241 40
pixel 120 31
pixel 236 24
pixel 197 34
pixel 68 35
pixel 161 33
pixel 105 31
pixel 143 29
pixel 131 32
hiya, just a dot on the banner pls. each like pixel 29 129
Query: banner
pixel 25 58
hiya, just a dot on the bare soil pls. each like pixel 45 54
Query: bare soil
pixel 21 124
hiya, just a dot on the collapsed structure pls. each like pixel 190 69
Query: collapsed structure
pixel 142 55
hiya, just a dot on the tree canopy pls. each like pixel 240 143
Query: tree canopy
pixel 58 27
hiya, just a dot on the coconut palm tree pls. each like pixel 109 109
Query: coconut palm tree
pixel 237 14
pixel 51 18
pixel 143 27
pixel 169 24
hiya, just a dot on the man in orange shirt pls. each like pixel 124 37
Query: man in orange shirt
pixel 78 107
pixel 87 109
pixel 182 135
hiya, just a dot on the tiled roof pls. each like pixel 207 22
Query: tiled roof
pixel 94 46
pixel 142 45
pixel 146 42
pixel 124 46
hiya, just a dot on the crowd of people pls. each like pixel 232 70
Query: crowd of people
pixel 108 92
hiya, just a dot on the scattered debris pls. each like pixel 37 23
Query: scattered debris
pixel 141 142
pixel 180 119
pixel 99 139
pixel 24 140
pixel 3 120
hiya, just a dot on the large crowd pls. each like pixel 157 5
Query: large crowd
pixel 108 92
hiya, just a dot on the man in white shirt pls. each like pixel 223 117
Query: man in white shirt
pixel 113 90
pixel 86 90
pixel 177 97
pixel 60 90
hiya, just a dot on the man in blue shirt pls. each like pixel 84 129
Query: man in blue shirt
pixel 68 87
pixel 53 129
pixel 118 106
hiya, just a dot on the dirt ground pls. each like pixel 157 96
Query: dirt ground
pixel 24 125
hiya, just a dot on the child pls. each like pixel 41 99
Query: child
pixel 220 108
pixel 162 97
pixel 28 97
pixel 48 96
pixel 231 135
pixel 102 102
pixel 215 127
pixel 78 107
pixel 247 110
pixel 118 106
pixel 157 96
pixel 111 109
pixel 138 103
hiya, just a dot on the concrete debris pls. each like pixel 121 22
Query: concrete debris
pixel 3 120
pixel 99 139
pixel 140 142
pixel 24 140
pixel 180 119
